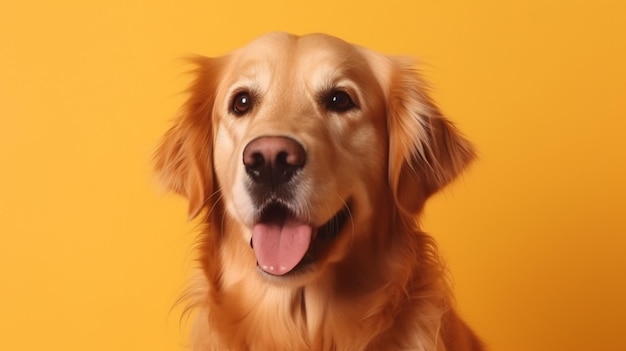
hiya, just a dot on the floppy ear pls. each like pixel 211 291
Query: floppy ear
pixel 426 151
pixel 183 160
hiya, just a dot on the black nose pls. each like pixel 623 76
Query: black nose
pixel 273 160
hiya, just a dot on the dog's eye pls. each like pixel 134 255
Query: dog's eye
pixel 339 101
pixel 242 103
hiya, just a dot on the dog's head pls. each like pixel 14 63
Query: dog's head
pixel 308 143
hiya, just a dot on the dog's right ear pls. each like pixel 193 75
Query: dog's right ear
pixel 183 160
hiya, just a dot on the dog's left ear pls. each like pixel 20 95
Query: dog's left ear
pixel 426 151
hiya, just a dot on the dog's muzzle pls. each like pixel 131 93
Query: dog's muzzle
pixel 282 241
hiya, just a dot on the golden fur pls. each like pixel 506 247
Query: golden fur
pixel 379 284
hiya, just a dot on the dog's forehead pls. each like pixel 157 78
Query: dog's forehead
pixel 284 45
pixel 314 60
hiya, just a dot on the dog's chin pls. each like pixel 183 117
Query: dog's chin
pixel 305 248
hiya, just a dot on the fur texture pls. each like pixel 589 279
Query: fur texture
pixel 372 146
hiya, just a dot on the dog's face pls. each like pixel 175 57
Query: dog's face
pixel 308 143
pixel 300 137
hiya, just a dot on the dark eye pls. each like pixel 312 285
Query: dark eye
pixel 242 103
pixel 339 101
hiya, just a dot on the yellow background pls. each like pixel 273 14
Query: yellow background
pixel 92 257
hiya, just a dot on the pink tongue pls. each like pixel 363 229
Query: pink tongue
pixel 279 247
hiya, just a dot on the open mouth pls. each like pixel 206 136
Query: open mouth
pixel 284 244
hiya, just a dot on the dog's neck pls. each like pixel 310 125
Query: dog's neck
pixel 356 296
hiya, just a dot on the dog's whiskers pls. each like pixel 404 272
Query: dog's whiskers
pixel 219 195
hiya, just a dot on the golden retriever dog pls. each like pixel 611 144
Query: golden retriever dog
pixel 309 161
